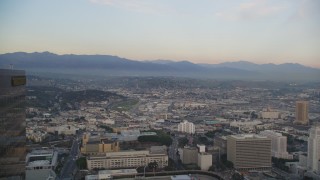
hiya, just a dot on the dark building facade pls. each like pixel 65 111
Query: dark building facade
pixel 12 124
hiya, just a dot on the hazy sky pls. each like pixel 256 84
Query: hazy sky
pixel 201 31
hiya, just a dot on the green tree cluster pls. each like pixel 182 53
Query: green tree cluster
pixel 162 139
pixel 183 141
pixel 81 163
pixel 281 163
pixel 107 128
pixel 210 134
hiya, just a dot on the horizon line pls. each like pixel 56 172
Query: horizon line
pixel 173 60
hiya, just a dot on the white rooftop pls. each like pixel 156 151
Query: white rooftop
pixel 118 171
pixel 248 136
pixel 39 163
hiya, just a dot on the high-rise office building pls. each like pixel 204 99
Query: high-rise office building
pixel 12 124
pixel 278 144
pixel 249 151
pixel 186 127
pixel 314 149
pixel 302 109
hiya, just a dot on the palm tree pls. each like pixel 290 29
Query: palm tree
pixel 153 165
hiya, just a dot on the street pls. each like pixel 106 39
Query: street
pixel 67 171
pixel 173 153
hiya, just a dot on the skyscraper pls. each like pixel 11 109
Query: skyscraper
pixel 186 127
pixel 314 149
pixel 12 123
pixel 302 109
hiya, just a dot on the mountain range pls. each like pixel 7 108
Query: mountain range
pixel 107 65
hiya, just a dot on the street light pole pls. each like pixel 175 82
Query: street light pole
pixel 144 171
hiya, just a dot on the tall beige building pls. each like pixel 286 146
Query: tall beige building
pixel 248 151
pixel 302 109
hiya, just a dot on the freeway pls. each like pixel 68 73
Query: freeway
pixel 67 171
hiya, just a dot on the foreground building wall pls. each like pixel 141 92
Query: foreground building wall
pixel 12 123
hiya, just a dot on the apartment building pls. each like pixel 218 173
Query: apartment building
pixel 186 127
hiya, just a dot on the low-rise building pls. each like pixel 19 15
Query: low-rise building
pixel 269 114
pixel 40 164
pixel 95 145
pixel 127 159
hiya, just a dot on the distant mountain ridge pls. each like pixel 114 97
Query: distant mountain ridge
pixel 107 65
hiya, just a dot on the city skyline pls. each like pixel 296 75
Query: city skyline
pixel 209 32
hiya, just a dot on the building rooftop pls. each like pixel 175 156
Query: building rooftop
pixel 39 163
pixel 158 150
pixel 248 136
pixel 118 171
pixel 41 152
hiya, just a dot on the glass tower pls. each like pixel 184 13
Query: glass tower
pixel 12 124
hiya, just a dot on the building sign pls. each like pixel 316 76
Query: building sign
pixel 18 80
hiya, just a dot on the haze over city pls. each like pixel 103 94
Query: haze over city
pixel 159 89
pixel 210 32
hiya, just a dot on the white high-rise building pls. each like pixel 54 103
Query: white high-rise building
pixel 186 127
pixel 278 144
pixel 314 149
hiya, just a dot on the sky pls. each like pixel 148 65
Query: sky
pixel 206 31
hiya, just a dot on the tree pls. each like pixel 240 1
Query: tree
pixel 183 141
pixel 203 140
pixel 153 165
pixel 81 163
pixel 210 134
pixel 163 139
pixel 225 162
pixel 171 165
pixel 211 168
pixel 237 176
pixel 107 128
